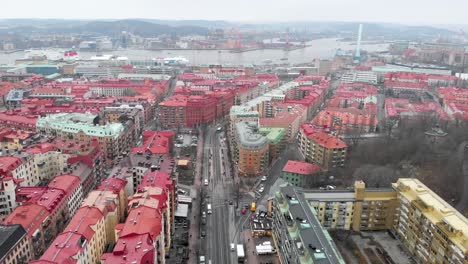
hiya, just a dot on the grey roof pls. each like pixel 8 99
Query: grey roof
pixel 329 195
pixel 249 135
pixel 9 236
pixel 311 232
pixel 144 76
pixel 15 95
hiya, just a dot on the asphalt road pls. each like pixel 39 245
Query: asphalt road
pixel 220 222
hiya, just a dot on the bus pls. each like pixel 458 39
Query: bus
pixel 240 253
pixel 253 207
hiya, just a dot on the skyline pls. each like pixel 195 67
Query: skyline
pixel 416 12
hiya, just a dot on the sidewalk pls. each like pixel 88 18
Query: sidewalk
pixel 195 217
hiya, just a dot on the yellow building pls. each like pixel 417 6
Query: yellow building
pixel 108 203
pixel 359 209
pixel 322 148
pixel 431 229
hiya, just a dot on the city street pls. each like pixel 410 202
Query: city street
pixel 219 192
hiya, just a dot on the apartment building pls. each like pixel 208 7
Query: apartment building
pixel 276 138
pixel 35 220
pixel 156 142
pixel 71 185
pixel 153 183
pixel 322 148
pixel 357 209
pixel 301 174
pixel 26 169
pixel 348 121
pixel 12 119
pixel 15 248
pixel 43 212
pixel 357 76
pixel 124 113
pixel 145 237
pixel 14 139
pixel 189 110
pixel 251 149
pixel 431 229
pixel 107 202
pixel 47 161
pixel 287 116
pixel 298 234
pixel 113 138
pixel 83 241
pixel 406 84
pixel 403 109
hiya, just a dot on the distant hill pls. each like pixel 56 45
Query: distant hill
pixel 385 30
pixel 138 27
pixel 195 23
pixel 100 27
pixel 155 27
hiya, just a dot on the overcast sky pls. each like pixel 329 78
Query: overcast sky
pixel 399 11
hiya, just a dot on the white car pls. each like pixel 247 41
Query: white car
pixel 264 178
pixel 206 182
pixel 261 189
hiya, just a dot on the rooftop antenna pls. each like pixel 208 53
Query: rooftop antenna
pixel 357 56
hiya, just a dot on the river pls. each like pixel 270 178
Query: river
pixel 320 48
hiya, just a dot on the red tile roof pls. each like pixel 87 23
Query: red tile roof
pixel 51 199
pixel 84 220
pixel 63 249
pixel 7 133
pixel 396 107
pixel 142 220
pixel 12 119
pixel 113 184
pixel 66 182
pixel 157 179
pixel 41 148
pixel 133 248
pixel 327 141
pixel 8 164
pixel 30 216
pixel 301 167
pixel 155 142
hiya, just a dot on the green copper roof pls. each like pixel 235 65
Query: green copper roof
pixel 273 135
pixel 76 122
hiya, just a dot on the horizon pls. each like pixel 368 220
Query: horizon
pixel 417 12
pixel 249 22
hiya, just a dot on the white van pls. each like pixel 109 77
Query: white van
pixel 233 247
pixel 208 208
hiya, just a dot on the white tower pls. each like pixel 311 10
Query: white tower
pixel 357 56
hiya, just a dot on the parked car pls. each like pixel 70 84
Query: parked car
pixel 243 211
pixel 264 178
